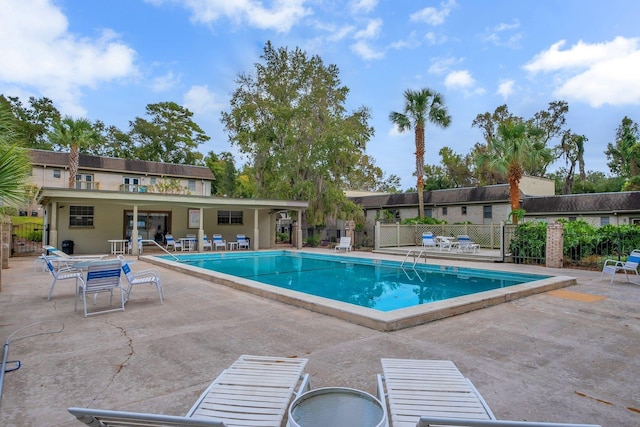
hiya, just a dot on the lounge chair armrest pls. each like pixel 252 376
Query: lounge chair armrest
pixel 613 263
pixel 382 396
pixel 147 273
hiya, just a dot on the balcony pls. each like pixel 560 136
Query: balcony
pixel 87 185
pixel 133 188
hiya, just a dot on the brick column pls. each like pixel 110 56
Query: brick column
pixel 555 242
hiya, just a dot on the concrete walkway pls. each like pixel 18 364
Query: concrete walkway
pixel 564 356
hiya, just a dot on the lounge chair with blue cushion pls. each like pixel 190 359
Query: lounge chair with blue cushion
pixel 253 391
pixel 219 242
pixel 428 240
pixel 206 243
pixel 63 271
pixel 243 242
pixel 629 266
pixel 102 277
pixel 171 243
pixel 143 277
pixel 466 245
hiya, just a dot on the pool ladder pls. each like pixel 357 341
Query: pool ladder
pixel 416 256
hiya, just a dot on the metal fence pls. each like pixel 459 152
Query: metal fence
pixel 26 239
pixel 364 238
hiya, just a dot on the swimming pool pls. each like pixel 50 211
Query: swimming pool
pixel 373 292
pixel 380 285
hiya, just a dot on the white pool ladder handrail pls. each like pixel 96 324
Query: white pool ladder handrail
pixel 416 256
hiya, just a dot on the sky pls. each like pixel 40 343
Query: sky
pixel 108 59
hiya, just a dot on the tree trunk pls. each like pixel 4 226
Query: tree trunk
pixel 515 173
pixel 74 160
pixel 419 135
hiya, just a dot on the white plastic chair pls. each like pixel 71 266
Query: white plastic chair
pixel 242 240
pixel 345 243
pixel 102 277
pixel 63 272
pixel 144 277
pixel 428 240
pixel 218 242
pixel 171 242
pixel 206 243
pixel 612 266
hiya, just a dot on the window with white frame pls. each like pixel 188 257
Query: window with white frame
pixel 84 181
pixel 444 211
pixel 230 217
pixel 487 212
pixel 192 185
pixel 80 216
pixel 604 220
pixel 57 173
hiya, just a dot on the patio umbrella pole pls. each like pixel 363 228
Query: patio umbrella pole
pixel 9 339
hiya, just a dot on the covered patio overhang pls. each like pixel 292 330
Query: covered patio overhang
pixel 189 213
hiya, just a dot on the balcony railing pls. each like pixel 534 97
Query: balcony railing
pixel 133 188
pixel 87 185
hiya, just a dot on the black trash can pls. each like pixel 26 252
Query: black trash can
pixel 67 247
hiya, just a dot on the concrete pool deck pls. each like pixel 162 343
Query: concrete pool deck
pixel 568 355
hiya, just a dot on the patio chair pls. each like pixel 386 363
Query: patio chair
pixel 144 277
pixel 253 391
pixel 243 242
pixel 102 276
pixel 206 243
pixel 428 240
pixel 62 272
pixel 345 243
pixel 466 245
pixel 629 266
pixel 218 242
pixel 171 243
pixel 130 245
pixel 416 388
pixel 436 421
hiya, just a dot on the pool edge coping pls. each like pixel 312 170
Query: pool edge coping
pixel 374 319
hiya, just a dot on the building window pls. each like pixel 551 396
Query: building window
pixel 192 185
pixel 230 217
pixel 84 181
pixel 444 211
pixel 487 212
pixel 463 210
pixel 604 220
pixel 428 213
pixel 57 173
pixel 80 216
pixel 153 180
pixel 572 218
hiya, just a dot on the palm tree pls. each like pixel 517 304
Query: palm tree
pixel 419 107
pixel 75 134
pixel 14 162
pixel 516 144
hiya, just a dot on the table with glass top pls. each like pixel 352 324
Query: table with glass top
pixel 336 407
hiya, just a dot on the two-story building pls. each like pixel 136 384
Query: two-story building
pixel 123 199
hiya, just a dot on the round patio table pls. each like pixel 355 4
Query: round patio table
pixel 336 407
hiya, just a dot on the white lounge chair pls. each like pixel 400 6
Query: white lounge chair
pixel 171 243
pixel 219 242
pixel 102 276
pixel 435 421
pixel 345 243
pixel 629 266
pixel 243 242
pixel 466 245
pixel 253 391
pixel 63 271
pixel 143 277
pixel 428 240
pixel 206 243
pixel 130 245
pixel 416 388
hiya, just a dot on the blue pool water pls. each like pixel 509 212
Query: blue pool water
pixel 378 284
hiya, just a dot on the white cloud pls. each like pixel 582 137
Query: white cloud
pixel 506 88
pixel 200 100
pixel 459 79
pixel 281 16
pixel 164 83
pixel 443 65
pixel 363 6
pixel 362 49
pixel 496 35
pixel 599 73
pixel 371 31
pixel 39 52
pixel 433 16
